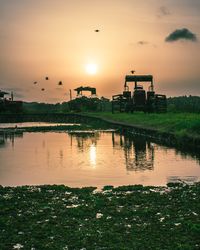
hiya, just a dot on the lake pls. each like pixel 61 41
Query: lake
pixel 91 158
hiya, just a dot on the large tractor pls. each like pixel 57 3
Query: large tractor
pixel 139 99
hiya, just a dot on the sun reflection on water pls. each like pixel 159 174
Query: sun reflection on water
pixel 93 155
pixel 94 159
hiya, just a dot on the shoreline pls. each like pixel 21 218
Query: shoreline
pixel 175 129
pixel 171 138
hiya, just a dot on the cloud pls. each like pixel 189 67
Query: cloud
pixel 181 34
pixel 142 42
pixel 163 11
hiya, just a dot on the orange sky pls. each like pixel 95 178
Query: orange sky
pixel 56 38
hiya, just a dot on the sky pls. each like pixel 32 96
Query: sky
pixel 57 38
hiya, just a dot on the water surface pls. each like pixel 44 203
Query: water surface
pixel 90 159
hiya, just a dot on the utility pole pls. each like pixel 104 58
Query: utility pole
pixel 70 94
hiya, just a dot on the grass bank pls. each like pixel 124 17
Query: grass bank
pixel 179 124
pixel 131 217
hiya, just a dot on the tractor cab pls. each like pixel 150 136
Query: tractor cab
pixel 79 91
pixel 139 99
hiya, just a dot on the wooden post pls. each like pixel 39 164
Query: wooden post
pixel 70 94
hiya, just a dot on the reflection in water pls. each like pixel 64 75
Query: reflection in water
pixel 61 157
pixel 85 139
pixel 9 137
pixel 93 155
pixel 2 140
pixel 90 159
pixel 139 154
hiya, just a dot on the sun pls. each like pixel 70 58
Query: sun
pixel 91 68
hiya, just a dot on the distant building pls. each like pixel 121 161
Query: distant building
pixel 2 93
pixel 8 104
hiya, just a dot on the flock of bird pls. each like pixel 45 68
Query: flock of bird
pixel 60 82
pixel 47 78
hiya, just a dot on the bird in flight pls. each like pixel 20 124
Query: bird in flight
pixel 132 71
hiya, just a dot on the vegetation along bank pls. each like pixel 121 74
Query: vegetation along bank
pixel 174 128
pixel 179 129
pixel 132 217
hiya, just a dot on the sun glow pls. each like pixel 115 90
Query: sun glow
pixel 91 68
pixel 93 155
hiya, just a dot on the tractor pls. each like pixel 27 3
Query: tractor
pixel 139 100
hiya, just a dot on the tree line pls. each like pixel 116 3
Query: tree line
pixel 189 104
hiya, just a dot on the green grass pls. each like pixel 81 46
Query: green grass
pixel 180 124
pixel 128 217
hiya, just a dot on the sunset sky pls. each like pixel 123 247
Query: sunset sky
pixel 57 38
